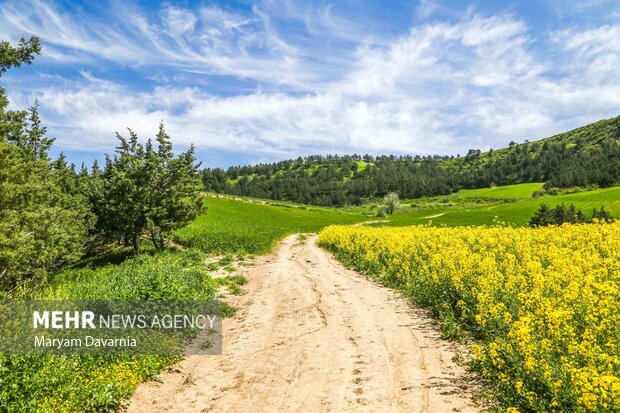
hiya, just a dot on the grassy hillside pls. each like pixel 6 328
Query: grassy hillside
pixel 519 191
pixel 516 213
pixel 586 156
pixel 239 226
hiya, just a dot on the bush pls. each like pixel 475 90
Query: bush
pixel 101 383
pixel 561 214
pixel 602 215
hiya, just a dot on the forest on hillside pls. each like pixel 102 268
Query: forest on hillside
pixel 587 157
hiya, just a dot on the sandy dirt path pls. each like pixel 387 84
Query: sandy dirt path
pixel 314 336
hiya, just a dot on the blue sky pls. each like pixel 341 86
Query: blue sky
pixel 251 82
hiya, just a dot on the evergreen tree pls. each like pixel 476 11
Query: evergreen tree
pixel 561 214
pixel 602 215
pixel 41 226
pixel 542 217
pixel 146 191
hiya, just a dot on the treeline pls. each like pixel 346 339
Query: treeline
pixel 588 156
pixel 334 180
pixel 50 214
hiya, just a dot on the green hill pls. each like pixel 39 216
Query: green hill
pixel 587 156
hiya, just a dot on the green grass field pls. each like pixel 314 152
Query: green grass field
pixel 101 383
pixel 463 198
pixel 238 226
pixel 519 191
pixel 514 213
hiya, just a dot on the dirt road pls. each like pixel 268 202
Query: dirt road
pixel 313 336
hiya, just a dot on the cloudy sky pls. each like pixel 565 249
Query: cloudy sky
pixel 262 81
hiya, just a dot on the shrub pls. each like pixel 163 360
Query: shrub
pixel 392 202
pixel 561 214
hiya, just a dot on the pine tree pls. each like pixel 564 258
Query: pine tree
pixel 145 190
pixel 41 226
pixel 602 215
pixel 542 217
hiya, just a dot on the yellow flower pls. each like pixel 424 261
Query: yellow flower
pixel 545 300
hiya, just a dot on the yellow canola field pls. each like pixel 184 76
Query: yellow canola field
pixel 543 304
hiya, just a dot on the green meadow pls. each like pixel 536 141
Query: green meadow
pixel 249 227
pixel 501 210
pixel 518 191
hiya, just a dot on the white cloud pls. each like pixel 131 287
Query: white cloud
pixel 209 41
pixel 426 8
pixel 442 87
pixel 178 21
pixel 567 8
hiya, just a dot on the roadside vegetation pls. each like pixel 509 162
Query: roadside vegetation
pixel 102 383
pixel 541 303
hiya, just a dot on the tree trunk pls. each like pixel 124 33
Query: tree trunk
pixel 136 242
pixel 153 239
